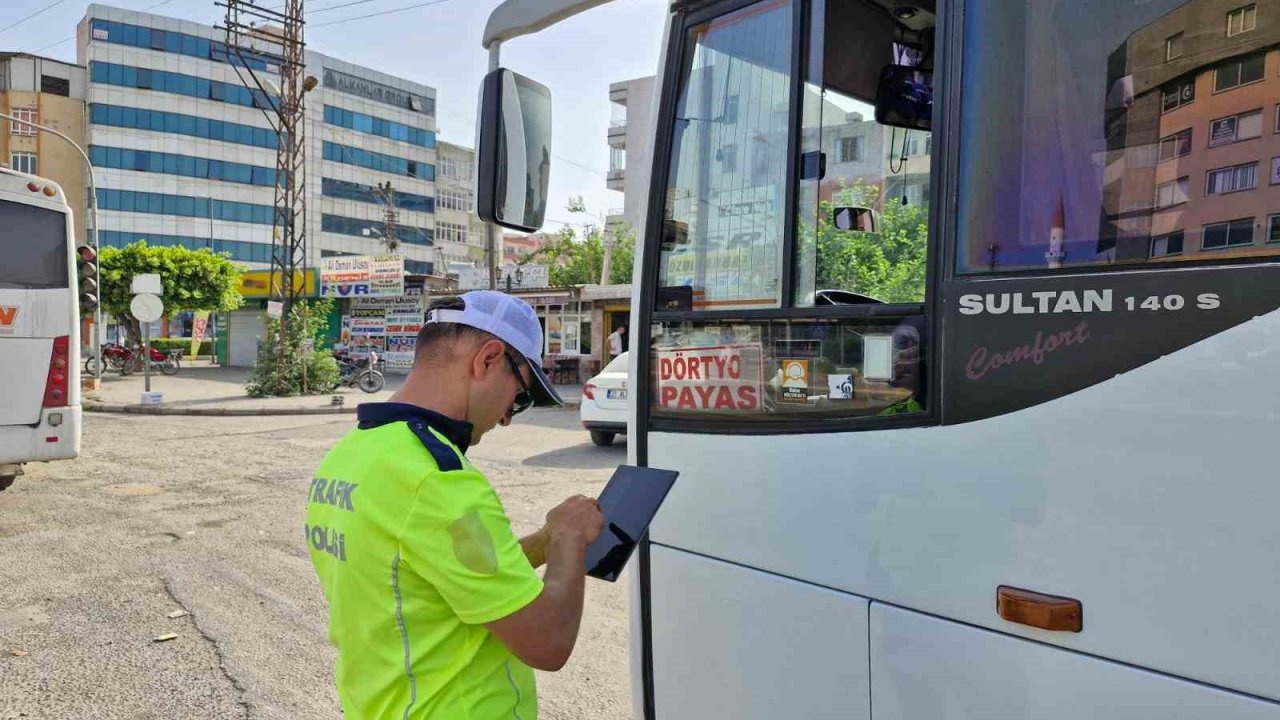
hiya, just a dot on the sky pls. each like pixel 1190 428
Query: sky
pixel 439 46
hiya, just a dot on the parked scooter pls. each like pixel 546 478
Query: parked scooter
pixel 361 372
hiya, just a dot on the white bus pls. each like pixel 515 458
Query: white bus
pixel 39 325
pixel 960 323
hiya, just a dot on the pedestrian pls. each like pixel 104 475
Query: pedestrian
pixel 615 341
pixel 434 605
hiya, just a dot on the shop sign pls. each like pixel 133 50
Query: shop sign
pixel 356 276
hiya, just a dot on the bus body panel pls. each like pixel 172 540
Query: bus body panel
pixel 44 440
pixel 756 647
pixel 1105 495
pixel 928 668
pixel 29 321
pixel 31 318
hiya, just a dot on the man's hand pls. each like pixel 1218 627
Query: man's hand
pixel 577 519
pixel 543 633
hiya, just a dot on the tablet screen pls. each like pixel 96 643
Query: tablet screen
pixel 629 503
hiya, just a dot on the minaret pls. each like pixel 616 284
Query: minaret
pixel 1057 236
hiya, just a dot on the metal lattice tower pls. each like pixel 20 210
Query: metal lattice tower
pixel 261 41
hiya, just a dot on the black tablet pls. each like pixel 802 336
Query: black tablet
pixel 628 502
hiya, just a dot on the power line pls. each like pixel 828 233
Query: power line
pixel 41 11
pixel 471 121
pixel 338 7
pixel 384 12
pixel 73 37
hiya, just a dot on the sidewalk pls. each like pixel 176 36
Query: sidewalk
pixel 204 389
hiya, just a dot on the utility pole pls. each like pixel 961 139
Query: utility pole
pixel 387 194
pixel 265 42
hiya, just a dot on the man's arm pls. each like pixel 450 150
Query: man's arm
pixel 542 634
pixel 535 547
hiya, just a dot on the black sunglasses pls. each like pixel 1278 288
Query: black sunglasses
pixel 524 398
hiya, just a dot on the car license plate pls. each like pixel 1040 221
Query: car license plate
pixel 616 394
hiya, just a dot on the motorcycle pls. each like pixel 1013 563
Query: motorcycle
pixel 112 358
pixel 362 372
pixel 167 363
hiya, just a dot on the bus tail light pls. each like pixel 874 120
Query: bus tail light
pixel 55 388
pixel 589 391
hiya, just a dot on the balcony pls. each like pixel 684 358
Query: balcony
pixel 618 133
pixel 616 180
pixel 618 93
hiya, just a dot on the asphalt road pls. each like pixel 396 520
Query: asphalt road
pixel 163 515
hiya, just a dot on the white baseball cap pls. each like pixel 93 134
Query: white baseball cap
pixel 512 321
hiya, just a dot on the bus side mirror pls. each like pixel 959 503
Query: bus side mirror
pixel 862 219
pixel 513 157
pixel 904 97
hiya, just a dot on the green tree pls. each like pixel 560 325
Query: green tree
pixel 888 265
pixel 303 368
pixel 191 279
pixel 575 260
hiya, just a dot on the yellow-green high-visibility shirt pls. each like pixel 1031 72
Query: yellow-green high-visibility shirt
pixel 415 554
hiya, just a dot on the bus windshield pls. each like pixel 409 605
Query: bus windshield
pixel 33 242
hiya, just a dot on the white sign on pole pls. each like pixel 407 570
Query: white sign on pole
pixel 146 307
pixel 147 283
pixel 275 309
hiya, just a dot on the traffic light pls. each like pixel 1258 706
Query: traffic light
pixel 87 264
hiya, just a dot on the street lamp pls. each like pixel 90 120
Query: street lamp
pixel 519 277
pixel 93 220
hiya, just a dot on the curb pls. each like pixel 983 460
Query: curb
pixel 213 411
pixel 122 409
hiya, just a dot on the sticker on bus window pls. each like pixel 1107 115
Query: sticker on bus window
pixel 795 381
pixel 723 378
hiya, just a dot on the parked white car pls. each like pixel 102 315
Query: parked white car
pixel 606 402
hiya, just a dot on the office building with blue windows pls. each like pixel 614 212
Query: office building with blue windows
pixel 185 156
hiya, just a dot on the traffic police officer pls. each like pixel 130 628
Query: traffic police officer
pixel 434 605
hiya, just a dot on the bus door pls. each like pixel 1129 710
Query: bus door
pixel 39 334
pixel 786 298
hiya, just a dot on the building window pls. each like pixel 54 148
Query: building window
pixel 617 159
pixel 850 149
pixel 1240 71
pixel 1275 171
pixel 1277 128
pixel 1242 20
pixel 454 169
pixel 1227 234
pixel 24 162
pixel 1232 179
pixel 1273 231
pixel 1173 48
pixel 30 115
pixel 1235 128
pixel 1179 94
pixel 451 232
pixel 55 85
pixel 1172 193
pixel 1164 245
pixel 454 200
pixel 1176 145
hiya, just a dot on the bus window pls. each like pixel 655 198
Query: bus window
pixel 864 193
pixel 723 221
pixel 747 371
pixel 1116 134
pixel 33 242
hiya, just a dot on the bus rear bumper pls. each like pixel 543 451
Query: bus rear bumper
pixel 55 437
